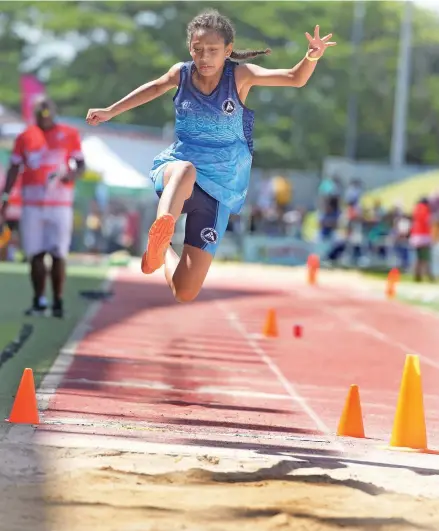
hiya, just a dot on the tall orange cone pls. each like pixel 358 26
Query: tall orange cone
pixel 25 410
pixel 351 420
pixel 409 429
pixel 270 326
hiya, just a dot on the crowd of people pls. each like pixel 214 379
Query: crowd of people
pixel 348 233
pixel 111 229
pixel 376 236
pixel 274 210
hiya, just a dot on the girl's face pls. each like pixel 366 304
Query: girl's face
pixel 209 52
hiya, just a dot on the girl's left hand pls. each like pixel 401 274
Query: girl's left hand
pixel 317 45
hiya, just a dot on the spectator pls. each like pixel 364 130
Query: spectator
pixel 42 155
pixel 283 193
pixel 353 193
pixel 434 208
pixel 329 220
pixel 421 240
pixel 401 233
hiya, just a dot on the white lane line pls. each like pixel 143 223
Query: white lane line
pixel 287 385
pixel 377 334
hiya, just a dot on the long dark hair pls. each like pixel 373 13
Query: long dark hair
pixel 214 21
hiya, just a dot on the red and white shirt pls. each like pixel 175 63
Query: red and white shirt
pixel 421 232
pixel 41 153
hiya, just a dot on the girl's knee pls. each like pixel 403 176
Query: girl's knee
pixel 184 172
pixel 185 291
pixel 185 295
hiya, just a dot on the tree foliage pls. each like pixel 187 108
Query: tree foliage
pixel 93 53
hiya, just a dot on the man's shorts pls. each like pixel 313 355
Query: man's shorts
pixel 423 253
pixel 206 218
pixel 46 230
pixel 13 224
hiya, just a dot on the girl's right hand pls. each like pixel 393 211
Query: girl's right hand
pixel 98 116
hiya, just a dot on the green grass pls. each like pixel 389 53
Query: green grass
pixel 49 334
pixel 382 275
pixel 411 292
pixel 430 305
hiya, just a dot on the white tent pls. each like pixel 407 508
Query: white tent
pixel 114 171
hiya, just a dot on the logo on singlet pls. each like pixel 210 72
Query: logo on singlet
pixel 229 106
pixel 209 235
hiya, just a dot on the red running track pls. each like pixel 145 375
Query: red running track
pixel 200 374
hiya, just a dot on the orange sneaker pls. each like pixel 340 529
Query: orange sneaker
pixel 160 235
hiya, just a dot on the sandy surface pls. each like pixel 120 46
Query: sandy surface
pixel 48 489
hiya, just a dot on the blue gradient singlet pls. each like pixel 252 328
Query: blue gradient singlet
pixel 214 133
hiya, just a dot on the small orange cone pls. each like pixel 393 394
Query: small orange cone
pixel 313 264
pixel 25 410
pixel 270 326
pixel 351 421
pixel 392 281
pixel 409 430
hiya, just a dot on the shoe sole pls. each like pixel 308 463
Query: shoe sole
pixel 159 237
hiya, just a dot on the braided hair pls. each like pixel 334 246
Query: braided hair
pixel 212 20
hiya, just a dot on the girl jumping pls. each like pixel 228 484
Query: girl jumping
pixel 205 173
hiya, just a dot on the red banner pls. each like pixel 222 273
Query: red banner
pixel 31 89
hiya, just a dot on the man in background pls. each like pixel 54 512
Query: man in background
pixel 421 239
pixel 42 155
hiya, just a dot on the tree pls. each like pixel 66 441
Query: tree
pixel 117 46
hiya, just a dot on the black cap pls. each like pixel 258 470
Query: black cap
pixel 44 106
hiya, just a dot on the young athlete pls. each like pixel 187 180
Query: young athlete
pixel 205 172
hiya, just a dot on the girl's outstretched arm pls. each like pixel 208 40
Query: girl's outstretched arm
pixel 145 93
pixel 254 75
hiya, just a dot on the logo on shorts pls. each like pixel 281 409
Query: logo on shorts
pixel 209 235
pixel 229 106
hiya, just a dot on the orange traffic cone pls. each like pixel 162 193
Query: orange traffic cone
pixel 394 274
pixel 270 326
pixel 409 430
pixel 392 281
pixel 25 410
pixel 351 420
pixel 313 264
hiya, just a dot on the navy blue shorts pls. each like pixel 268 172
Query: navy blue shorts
pixel 206 218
